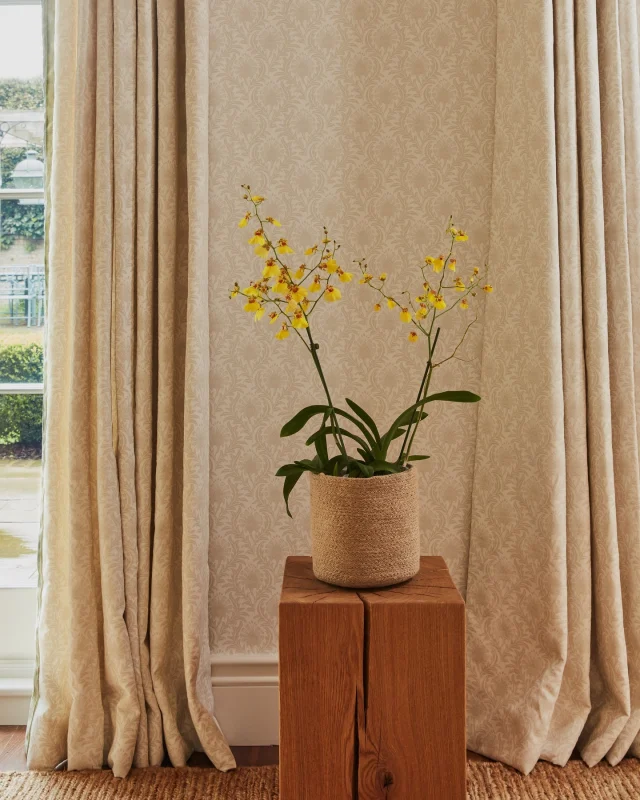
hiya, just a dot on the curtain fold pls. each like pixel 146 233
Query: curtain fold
pixel 553 597
pixel 123 637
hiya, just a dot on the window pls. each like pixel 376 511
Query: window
pixel 22 296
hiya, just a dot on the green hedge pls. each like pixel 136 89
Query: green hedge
pixel 19 220
pixel 20 94
pixel 17 94
pixel 21 414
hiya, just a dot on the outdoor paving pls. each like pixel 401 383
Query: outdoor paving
pixel 19 521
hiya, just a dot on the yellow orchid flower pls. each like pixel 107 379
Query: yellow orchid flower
pixel 273 316
pixel 299 320
pixel 252 305
pixel 252 291
pixel 311 250
pixel 459 285
pixel 243 222
pixel 488 288
pixel 431 297
pixel 429 260
pixel 332 293
pixel 272 221
pixel 299 273
pixel 292 305
pixel 366 278
pixel 257 237
pixel 422 312
pixel 280 287
pixel 283 333
pixel 476 272
pixel 304 305
pixel 316 285
pixel 298 293
pixel 235 291
pixel 439 302
pixel 458 234
pixel 377 307
pixel 452 264
pixel 391 303
pixel 283 247
pixel 257 198
pixel 438 264
pixel 405 315
pixel 413 336
pixel 464 303
pixel 259 314
pixel 345 277
pixel 271 269
pixel 263 250
pixel 326 240
pixel 332 266
pixel 382 276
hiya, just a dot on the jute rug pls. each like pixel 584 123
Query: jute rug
pixel 487 781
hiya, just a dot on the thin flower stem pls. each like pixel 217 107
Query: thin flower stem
pixel 313 347
pixel 416 417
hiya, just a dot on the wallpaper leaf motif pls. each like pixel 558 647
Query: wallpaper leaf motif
pixel 375 119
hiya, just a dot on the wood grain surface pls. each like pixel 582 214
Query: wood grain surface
pixel 411 709
pixel 321 653
pixel 403 649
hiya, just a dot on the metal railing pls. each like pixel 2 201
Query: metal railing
pixel 22 294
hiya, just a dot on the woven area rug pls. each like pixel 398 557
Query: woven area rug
pixel 487 781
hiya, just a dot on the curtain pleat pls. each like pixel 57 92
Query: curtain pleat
pixel 124 663
pixel 555 545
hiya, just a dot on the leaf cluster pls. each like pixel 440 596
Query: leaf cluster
pixel 372 446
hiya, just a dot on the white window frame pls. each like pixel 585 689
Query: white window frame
pixel 17 605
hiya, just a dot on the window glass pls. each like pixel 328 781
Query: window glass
pixel 22 305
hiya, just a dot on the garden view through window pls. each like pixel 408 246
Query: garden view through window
pixel 22 295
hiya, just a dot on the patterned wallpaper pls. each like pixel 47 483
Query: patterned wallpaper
pixel 374 118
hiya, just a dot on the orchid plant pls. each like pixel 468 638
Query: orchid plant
pixel 290 295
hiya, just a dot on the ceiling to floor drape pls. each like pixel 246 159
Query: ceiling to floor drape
pixel 553 594
pixel 380 120
pixel 124 668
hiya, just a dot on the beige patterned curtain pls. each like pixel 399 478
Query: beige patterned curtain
pixel 554 563
pixel 123 637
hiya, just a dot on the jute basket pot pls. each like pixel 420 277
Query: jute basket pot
pixel 365 531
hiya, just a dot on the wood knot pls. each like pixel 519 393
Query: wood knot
pixel 387 779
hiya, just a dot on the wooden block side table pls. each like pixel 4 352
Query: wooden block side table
pixel 372 688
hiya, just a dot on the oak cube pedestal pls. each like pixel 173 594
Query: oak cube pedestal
pixel 372 688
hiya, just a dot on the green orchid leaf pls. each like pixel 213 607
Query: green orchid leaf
pixel 417 458
pixel 287 469
pixel 289 484
pixel 460 396
pixel 404 419
pixel 365 418
pixel 322 449
pixel 324 432
pixel 367 434
pixel 386 467
pixel 298 422
pixel 310 465
pixel 365 469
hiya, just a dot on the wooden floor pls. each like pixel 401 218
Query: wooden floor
pixel 12 752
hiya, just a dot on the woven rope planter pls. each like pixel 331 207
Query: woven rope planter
pixel 365 531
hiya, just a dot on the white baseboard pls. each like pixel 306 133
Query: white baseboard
pixel 245 691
